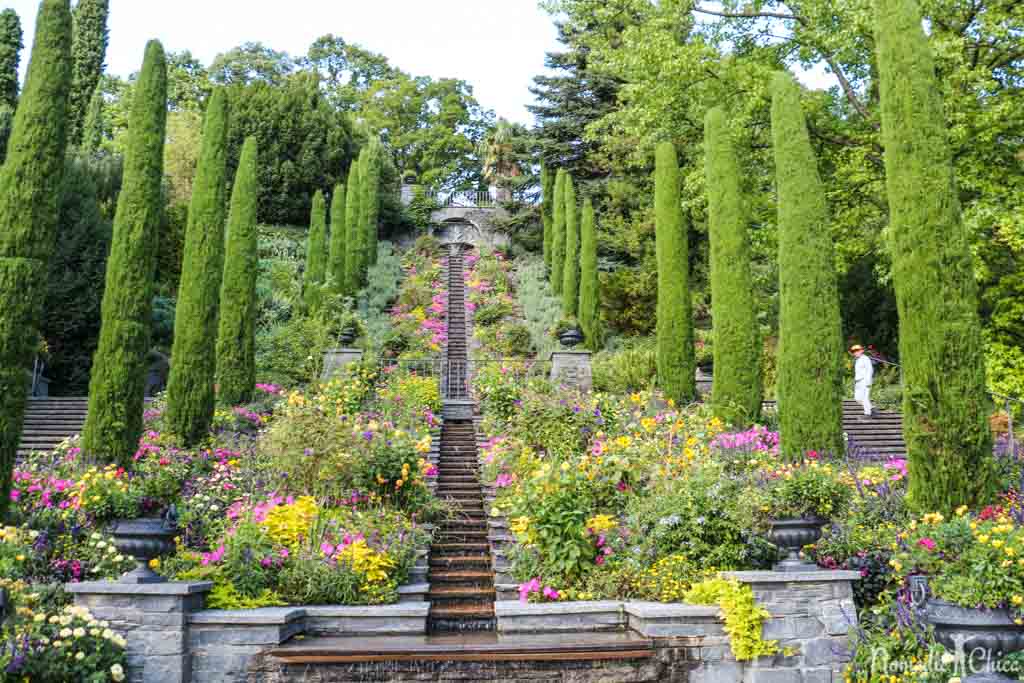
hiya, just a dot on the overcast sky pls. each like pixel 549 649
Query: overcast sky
pixel 498 46
pixel 495 45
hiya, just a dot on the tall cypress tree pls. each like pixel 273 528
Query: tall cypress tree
pixel 809 384
pixel 88 50
pixel 92 133
pixel 353 236
pixel 316 254
pixel 676 363
pixel 588 276
pixel 28 217
pixel 236 336
pixel 547 183
pixel 369 207
pixel 190 394
pixel 737 382
pixel 945 403
pixel 571 267
pixel 10 57
pixel 118 379
pixel 336 260
pixel 558 233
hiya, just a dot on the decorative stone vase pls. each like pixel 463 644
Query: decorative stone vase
pixel 979 638
pixel 347 336
pixel 570 338
pixel 792 534
pixel 145 539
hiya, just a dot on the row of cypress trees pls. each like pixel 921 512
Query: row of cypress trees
pixel 343 257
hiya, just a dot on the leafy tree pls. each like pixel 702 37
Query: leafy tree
pixel 10 57
pixel 504 158
pixel 236 336
pixel 190 397
pixel 188 82
pixel 353 237
pixel 945 406
pixel 304 143
pixel 336 261
pixel 181 154
pixel 810 339
pixel 118 378
pixel 251 63
pixel 88 50
pixel 558 230
pixel 737 344
pixel 588 276
pixel 369 206
pixel 547 181
pixel 316 254
pixel 28 217
pixel 676 364
pixel 348 71
pixel 570 269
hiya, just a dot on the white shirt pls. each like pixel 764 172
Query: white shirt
pixel 863 370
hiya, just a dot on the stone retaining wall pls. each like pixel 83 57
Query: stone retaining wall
pixel 172 639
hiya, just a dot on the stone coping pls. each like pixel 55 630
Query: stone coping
pixel 115 588
pixel 670 610
pixel 270 616
pixel 819 576
pixel 414 588
pixel 401 609
pixel 517 608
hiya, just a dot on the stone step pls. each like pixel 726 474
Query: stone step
pixel 443 548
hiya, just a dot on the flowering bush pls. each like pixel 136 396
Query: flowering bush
pixel 804 490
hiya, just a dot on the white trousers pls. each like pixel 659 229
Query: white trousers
pixel 862 394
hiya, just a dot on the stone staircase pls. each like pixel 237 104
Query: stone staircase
pixel 461 578
pixel 48 421
pixel 878 437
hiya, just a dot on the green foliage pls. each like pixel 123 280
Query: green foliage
pixel 743 616
pixel 369 205
pixel 92 127
pixel 336 257
pixel 10 57
pixel 547 181
pixel 382 282
pixel 190 394
pixel 571 265
pixel 633 367
pixel 676 365
pixel 304 143
pixel 353 236
pixel 809 383
pixel 316 254
pixel 117 382
pixel 944 406
pixel 236 335
pixel 250 63
pixel 558 229
pixel 28 217
pixel 291 353
pixel 588 278
pixel 88 51
pixel 541 310
pixel 737 344
pixel 807 491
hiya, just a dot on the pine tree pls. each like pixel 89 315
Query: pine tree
pixel 316 254
pixel 88 50
pixel 353 238
pixel 190 394
pixel 737 381
pixel 92 134
pixel 236 335
pixel 336 260
pixel 588 276
pixel 571 267
pixel 118 379
pixel 10 57
pixel 809 385
pixel 28 217
pixel 676 364
pixel 547 183
pixel 558 233
pixel 945 402
pixel 369 206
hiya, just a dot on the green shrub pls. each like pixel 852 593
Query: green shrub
pixel 633 367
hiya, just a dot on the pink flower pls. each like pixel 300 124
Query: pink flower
pixel 927 543
pixel 550 593
pixel 284 552
pixel 15 495
pixel 327 549
pixel 599 560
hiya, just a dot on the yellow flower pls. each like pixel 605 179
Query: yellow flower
pixel 1017 599
pixel 983 539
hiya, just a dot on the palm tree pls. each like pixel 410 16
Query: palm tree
pixel 500 157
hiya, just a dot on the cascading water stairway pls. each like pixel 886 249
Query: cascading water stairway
pixel 461 577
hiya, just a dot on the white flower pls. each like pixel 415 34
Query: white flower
pixel 948 658
pixel 101 544
pixel 79 656
pixel 44 640
pixel 39 617
pixel 120 641
pixel 33 534
pixel 119 558
pixel 214 508
pixel 111 549
pixel 108 634
pixel 58 643
pixel 65 633
pixel 94 632
pixel 54 619
pixel 117 673
pixel 95 536
pixel 79 632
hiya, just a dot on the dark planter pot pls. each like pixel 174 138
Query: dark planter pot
pixel 570 338
pixel 978 637
pixel 145 539
pixel 792 534
pixel 347 337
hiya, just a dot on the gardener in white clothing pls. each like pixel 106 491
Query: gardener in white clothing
pixel 863 375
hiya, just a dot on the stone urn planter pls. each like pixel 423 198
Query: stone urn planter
pixel 979 638
pixel 570 338
pixel 144 539
pixel 791 534
pixel 347 336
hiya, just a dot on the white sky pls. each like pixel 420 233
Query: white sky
pixel 495 45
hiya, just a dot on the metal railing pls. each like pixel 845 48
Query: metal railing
pixel 467 199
